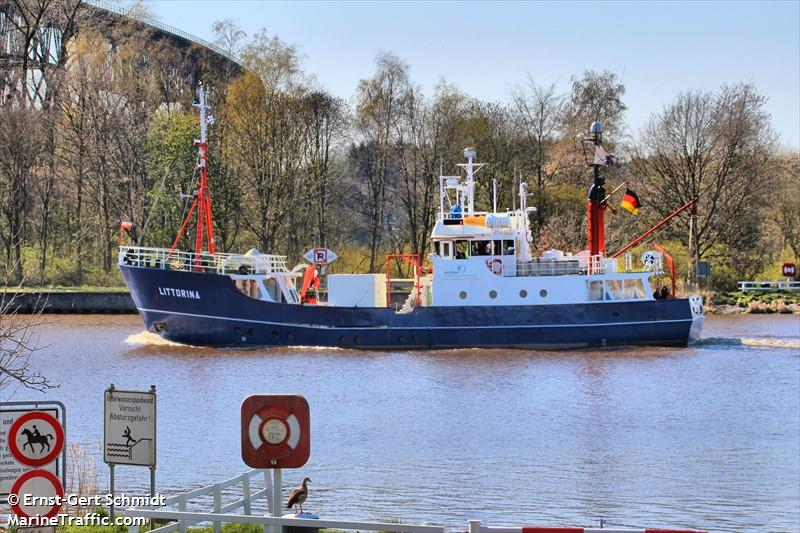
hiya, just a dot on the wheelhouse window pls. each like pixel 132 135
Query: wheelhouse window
pixel 481 248
pixel 462 249
pixel 508 247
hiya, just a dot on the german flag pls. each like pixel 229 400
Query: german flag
pixel 630 202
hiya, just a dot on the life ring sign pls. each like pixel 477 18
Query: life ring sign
pixel 276 431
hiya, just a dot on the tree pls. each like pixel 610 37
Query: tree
pixel 787 209
pixel 710 146
pixel 378 110
pixel 18 343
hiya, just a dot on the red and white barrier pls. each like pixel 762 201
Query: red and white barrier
pixel 475 527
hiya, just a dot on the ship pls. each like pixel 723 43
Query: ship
pixel 482 285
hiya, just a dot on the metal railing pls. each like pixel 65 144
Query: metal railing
pixel 769 285
pixel 166 259
pixel 155 23
pixel 538 267
pixel 221 514
pixel 182 517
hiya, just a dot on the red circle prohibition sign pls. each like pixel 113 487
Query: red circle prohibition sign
pixel 58 440
pixel 31 474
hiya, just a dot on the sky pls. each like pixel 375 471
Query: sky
pixel 488 48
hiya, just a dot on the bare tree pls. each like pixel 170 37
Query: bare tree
pixel 715 147
pixel 378 109
pixel 18 343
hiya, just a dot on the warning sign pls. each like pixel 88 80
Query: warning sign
pixel 29 441
pixel 130 428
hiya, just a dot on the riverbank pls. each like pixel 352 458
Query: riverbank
pixel 752 302
pixel 82 301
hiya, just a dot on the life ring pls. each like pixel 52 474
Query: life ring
pixel 275 431
pixel 495 266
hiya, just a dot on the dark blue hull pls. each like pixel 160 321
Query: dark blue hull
pixel 208 309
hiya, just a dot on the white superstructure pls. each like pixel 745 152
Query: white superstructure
pixel 485 258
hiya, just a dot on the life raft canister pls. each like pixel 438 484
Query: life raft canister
pixel 495 266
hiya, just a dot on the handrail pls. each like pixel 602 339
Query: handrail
pixel 219 263
pixel 282 521
pixel 152 21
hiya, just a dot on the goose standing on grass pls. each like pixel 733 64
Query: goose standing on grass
pixel 298 496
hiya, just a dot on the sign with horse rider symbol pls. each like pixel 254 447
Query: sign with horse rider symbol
pixel 276 431
pixel 130 428
pixel 32 435
pixel 36 439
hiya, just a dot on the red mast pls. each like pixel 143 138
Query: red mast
pixel 596 207
pixel 202 196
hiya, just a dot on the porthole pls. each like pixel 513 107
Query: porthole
pixel 357 339
pixel 275 334
pixel 402 339
pixel 290 336
pixel 523 293
pixel 251 331
pixel 543 293
pixel 237 330
pixel 492 294
pixel 462 295
pixel 342 339
pixel 413 339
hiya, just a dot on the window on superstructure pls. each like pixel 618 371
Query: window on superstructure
pixel 595 290
pixel 634 289
pixel 614 290
pixel 508 247
pixel 462 249
pixel 481 248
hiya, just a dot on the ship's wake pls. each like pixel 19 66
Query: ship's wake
pixel 148 338
pixel 767 342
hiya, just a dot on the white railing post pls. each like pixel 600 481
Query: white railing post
pixel 217 507
pixel 182 507
pixel 268 495
pixel 474 526
pixel 246 492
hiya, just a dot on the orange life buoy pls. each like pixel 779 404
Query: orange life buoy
pixel 495 266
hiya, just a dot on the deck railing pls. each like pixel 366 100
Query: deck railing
pixel 166 259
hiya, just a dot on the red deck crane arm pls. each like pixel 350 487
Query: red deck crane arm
pixel 691 203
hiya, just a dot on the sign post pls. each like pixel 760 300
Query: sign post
pixel 789 270
pixel 24 428
pixel 33 456
pixel 129 432
pixel 276 434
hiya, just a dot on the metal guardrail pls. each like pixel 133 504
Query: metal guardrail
pixel 769 286
pixel 167 259
pixel 221 514
pixel 155 23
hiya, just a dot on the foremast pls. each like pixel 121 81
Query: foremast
pixel 201 203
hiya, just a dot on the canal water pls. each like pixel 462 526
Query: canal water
pixel 705 437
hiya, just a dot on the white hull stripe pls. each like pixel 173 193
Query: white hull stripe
pixel 518 326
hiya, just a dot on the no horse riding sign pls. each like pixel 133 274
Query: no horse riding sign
pixel 276 431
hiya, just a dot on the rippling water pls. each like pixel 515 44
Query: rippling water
pixel 707 436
